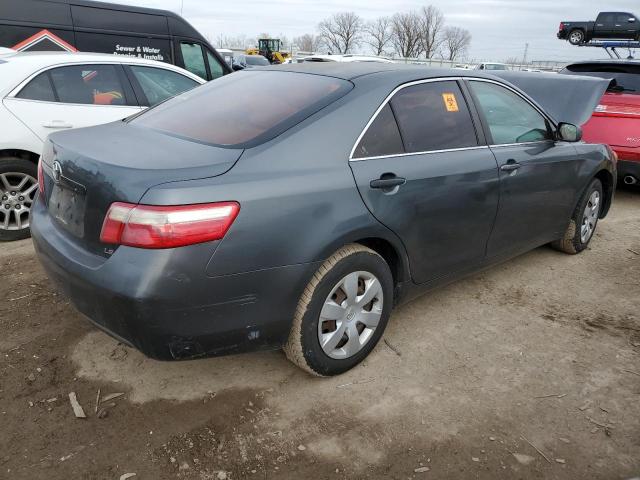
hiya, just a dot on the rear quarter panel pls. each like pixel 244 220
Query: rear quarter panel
pixel 299 202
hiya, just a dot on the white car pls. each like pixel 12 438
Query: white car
pixel 44 92
pixel 492 66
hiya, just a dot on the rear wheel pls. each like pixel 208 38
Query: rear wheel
pixel 576 37
pixel 584 221
pixel 18 188
pixel 342 313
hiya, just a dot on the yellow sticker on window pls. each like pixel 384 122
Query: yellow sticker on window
pixel 450 102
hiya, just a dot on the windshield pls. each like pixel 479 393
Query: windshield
pixel 224 113
pixel 627 77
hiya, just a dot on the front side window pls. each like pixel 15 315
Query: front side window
pixel 222 113
pixel 381 138
pixel 193 59
pixel 88 85
pixel 433 116
pixel 38 89
pixel 159 84
pixel 509 117
pixel 623 18
pixel 216 69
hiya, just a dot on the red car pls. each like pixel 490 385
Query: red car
pixel 616 121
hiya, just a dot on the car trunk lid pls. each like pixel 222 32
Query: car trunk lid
pixel 89 169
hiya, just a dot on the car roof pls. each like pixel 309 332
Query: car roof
pixel 392 72
pixel 18 66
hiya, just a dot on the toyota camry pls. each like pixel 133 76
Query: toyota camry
pixel 218 222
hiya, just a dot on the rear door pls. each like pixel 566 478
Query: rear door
pixel 604 27
pixel 425 172
pixel 537 173
pixel 73 96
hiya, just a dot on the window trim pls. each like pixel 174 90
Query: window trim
pixel 471 111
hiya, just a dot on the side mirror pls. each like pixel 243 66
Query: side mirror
pixel 237 67
pixel 568 132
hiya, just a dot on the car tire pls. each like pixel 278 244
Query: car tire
pixel 347 341
pixel 584 221
pixel 16 202
pixel 13 171
pixel 576 37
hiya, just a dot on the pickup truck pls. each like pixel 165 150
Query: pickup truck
pixel 620 25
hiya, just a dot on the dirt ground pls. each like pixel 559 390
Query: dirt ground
pixel 528 370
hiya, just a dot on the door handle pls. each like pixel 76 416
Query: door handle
pixel 510 166
pixel 387 182
pixel 57 124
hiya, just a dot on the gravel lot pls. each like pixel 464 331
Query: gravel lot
pixel 528 370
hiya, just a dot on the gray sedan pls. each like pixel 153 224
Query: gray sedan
pixel 220 222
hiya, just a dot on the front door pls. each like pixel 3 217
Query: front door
pixel 423 171
pixel 537 190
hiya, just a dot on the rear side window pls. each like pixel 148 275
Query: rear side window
pixel 433 116
pixel 382 137
pixel 226 112
pixel 626 76
pixel 38 89
pixel 159 84
pixel 88 85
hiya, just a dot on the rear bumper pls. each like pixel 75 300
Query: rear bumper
pixel 562 34
pixel 626 168
pixel 163 303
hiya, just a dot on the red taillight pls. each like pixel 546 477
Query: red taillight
pixel 147 226
pixel 40 177
pixel 561 26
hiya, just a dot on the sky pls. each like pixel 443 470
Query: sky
pixel 500 28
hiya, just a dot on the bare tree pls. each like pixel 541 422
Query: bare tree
pixel 307 42
pixel 226 41
pixel 379 33
pixel 406 34
pixel 456 42
pixel 341 32
pixel 432 25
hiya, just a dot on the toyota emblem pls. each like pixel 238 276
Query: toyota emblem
pixel 57 171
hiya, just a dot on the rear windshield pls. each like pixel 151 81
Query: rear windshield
pixel 627 77
pixel 244 109
pixel 256 60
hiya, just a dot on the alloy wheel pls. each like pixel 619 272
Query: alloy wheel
pixel 590 217
pixel 17 193
pixel 576 37
pixel 350 315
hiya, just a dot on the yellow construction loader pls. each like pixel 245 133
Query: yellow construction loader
pixel 270 49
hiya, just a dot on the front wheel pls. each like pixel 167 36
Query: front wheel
pixel 18 188
pixel 342 313
pixel 576 37
pixel 583 222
